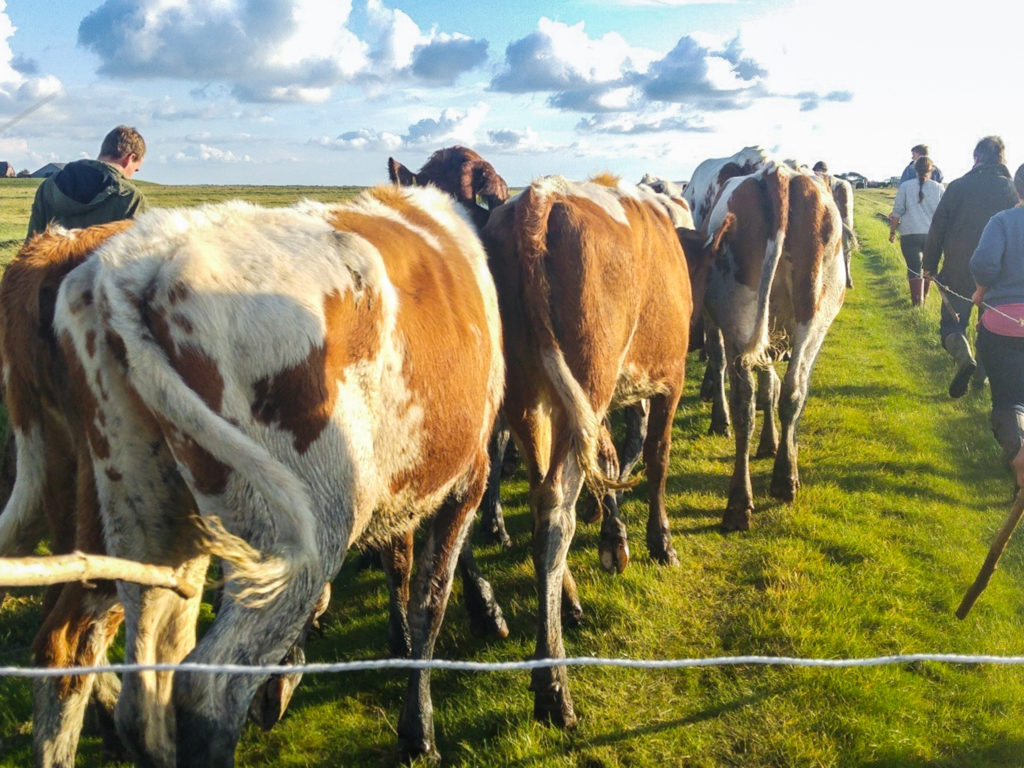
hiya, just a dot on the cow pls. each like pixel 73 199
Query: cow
pixel 711 175
pixel 53 494
pixel 664 186
pixel 305 379
pixel 595 305
pixel 472 181
pixel 842 193
pixel 777 283
pixel 460 172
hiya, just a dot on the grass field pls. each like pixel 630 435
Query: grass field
pixel 902 492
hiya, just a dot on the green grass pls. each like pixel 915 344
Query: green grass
pixel 903 489
pixel 16 202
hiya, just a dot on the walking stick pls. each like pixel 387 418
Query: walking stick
pixel 994 553
pixel 945 299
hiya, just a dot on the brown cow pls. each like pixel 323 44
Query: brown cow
pixel 596 305
pixel 54 489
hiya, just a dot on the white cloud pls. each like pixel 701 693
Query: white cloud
pixel 270 50
pixel 19 92
pixel 453 125
pixel 204 153
pixel 362 139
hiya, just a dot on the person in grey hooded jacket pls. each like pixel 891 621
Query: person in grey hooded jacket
pixel 87 192
pixel 998 269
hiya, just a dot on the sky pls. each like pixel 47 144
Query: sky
pixel 322 92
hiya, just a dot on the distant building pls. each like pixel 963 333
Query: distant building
pixel 24 173
pixel 6 170
pixel 47 170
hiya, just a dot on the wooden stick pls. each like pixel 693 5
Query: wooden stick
pixel 994 553
pixel 79 566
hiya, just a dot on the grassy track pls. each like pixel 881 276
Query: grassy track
pixel 902 492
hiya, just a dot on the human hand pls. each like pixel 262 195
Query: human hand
pixel 979 295
pixel 892 236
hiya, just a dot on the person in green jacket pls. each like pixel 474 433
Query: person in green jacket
pixel 87 192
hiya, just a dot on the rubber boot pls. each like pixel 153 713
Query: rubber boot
pixel 956 344
pixel 1008 430
pixel 916 290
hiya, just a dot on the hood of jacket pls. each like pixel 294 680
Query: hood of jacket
pixel 85 184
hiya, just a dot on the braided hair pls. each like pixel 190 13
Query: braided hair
pixel 923 168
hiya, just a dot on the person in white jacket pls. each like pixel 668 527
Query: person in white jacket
pixel 916 201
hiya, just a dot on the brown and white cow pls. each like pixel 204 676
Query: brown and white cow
pixel 309 378
pixel 777 283
pixel 53 495
pixel 595 306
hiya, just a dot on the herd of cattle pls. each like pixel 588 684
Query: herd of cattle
pixel 273 387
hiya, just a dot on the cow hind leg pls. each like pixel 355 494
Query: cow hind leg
pixel 613 546
pixel 492 516
pixel 741 495
pixel 397 560
pixel 77 632
pixel 657 447
pixel 428 598
pixel 485 615
pixel 792 399
pixel 712 388
pixel 553 505
pixel 768 402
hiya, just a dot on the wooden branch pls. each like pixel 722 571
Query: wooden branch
pixel 79 566
pixel 994 553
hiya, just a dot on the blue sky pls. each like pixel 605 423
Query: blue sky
pixel 323 91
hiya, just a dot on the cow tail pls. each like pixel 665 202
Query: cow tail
pixel 256 577
pixel 531 225
pixel 776 189
pixel 22 522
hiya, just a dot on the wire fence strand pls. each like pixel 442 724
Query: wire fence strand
pixel 511 666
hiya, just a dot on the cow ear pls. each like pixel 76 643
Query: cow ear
pixel 399 174
pixel 726 232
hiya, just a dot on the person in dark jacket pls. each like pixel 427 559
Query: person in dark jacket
pixel 962 213
pixel 917 151
pixel 998 269
pixel 87 192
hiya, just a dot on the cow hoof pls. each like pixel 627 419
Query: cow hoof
pixel 736 520
pixel 719 429
pixel 555 708
pixel 659 545
pixel 665 556
pixel 572 613
pixel 496 535
pixel 784 489
pixel 491 623
pixel 766 452
pixel 614 555
pixel 419 754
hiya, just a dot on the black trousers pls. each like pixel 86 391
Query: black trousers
pixel 1003 358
